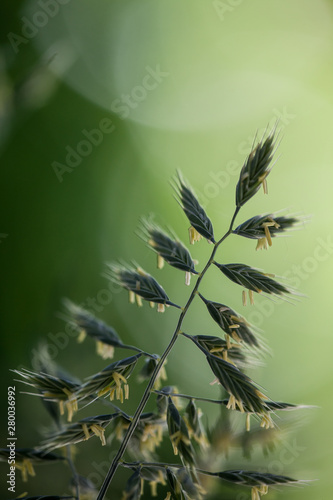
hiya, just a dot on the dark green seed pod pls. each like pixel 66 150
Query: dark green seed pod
pixel 238 385
pixel 134 487
pixel 255 170
pixel 111 380
pixel 140 284
pixel 168 249
pixel 79 431
pixel 86 322
pixel 179 435
pixel 217 346
pixel 265 227
pixel 252 279
pixel 230 322
pixel 195 213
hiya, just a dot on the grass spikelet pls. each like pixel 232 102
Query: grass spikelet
pixel 111 380
pixel 230 322
pixel 253 279
pixel 168 249
pixel 200 222
pixel 255 170
pixel 140 283
pixel 79 431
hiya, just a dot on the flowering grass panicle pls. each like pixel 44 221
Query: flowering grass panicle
pixel 199 449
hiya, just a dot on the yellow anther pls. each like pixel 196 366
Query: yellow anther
pixel 71 404
pixel 194 235
pixel 248 424
pixel 61 407
pixel 262 243
pixel 236 337
pixel 98 430
pixel 216 349
pixel 263 490
pixel 28 464
pixel 255 493
pixel 86 431
pixel 233 403
pixel 227 338
pixel 82 336
pixel 267 422
pixel 131 297
pixel 265 187
pixel 274 223
pixel 267 233
pixel 261 395
pixel 104 350
pixel 263 180
pixel 175 438
pixel 160 308
pixel 26 469
pixel 160 262
pixel 140 271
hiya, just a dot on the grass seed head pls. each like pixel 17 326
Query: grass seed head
pixel 179 435
pixel 169 249
pixel 201 225
pixel 230 322
pixel 265 227
pixel 139 283
pixel 253 279
pixel 77 432
pixel 255 170
pixel 134 486
pixel 240 387
pixel 87 323
pixel 111 380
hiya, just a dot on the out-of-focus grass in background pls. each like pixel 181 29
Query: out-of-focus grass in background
pixel 186 85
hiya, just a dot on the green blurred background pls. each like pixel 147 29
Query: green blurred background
pixel 173 85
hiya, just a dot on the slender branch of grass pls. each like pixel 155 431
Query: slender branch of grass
pixel 136 349
pixel 148 390
pixel 202 349
pixel 186 396
pixel 74 472
pixel 158 465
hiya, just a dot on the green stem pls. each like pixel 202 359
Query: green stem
pixel 136 349
pixel 163 465
pixel 186 396
pixel 115 463
pixel 158 465
pixel 74 472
